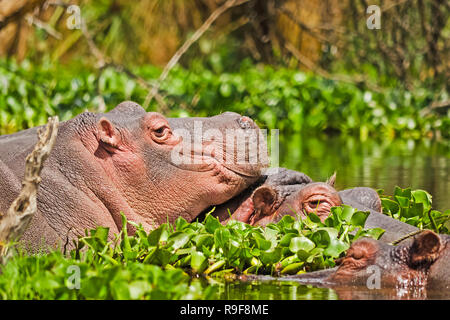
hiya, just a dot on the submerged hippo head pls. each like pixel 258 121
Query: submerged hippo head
pixel 282 191
pixel 421 263
pixel 270 203
pixel 405 265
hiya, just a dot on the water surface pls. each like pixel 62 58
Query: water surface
pixel 291 290
pixel 377 164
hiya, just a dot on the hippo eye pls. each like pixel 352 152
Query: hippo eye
pixel 161 132
pixel 317 205
pixel 314 204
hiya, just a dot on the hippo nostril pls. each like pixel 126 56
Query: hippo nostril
pixel 245 123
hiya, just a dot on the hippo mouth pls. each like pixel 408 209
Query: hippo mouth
pixel 317 278
pixel 199 161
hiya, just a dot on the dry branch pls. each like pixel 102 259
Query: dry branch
pixel 434 106
pixel 20 13
pixel 302 25
pixel 19 214
pixel 32 20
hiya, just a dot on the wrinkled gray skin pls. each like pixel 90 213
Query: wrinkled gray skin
pixel 416 266
pixel 123 160
pixel 291 188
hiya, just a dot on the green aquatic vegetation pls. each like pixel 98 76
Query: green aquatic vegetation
pixel 54 276
pixel 155 265
pixel 280 98
pixel 415 207
pixel 160 264
pixel 289 246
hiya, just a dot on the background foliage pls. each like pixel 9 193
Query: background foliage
pixel 287 99
pixel 389 82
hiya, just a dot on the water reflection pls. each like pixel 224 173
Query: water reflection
pixel 377 164
pixel 290 290
pixel 271 290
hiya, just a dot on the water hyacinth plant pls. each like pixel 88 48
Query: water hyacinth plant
pixel 281 98
pixel 209 247
pixel 157 264
pixel 415 207
pixel 170 261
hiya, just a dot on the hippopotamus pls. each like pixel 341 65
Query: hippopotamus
pixel 421 263
pixel 280 191
pixel 151 168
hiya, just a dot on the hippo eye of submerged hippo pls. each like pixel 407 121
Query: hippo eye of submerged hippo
pixel 314 204
pixel 317 205
pixel 318 198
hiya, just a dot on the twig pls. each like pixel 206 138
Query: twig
pixel 409 235
pixel 104 61
pixel 158 97
pixel 19 214
pixel 21 12
pixel 44 26
pixel 302 26
pixel 435 105
pixel 187 44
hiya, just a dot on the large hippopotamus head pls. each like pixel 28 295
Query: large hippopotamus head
pixel 151 168
pixel 178 166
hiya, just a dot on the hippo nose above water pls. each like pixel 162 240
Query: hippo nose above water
pixel 246 123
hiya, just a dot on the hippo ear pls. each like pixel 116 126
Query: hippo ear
pixel 263 199
pixel 331 181
pixel 425 248
pixel 108 134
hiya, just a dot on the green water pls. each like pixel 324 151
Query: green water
pixel 290 290
pixel 273 290
pixel 377 164
pixel 270 288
